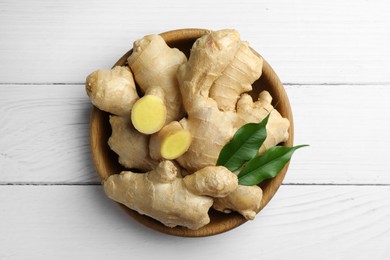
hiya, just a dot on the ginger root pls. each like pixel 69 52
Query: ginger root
pixel 130 145
pixel 112 90
pixel 167 198
pixel 154 64
pixel 245 200
pixel 211 127
pixel 187 112
pixel 213 120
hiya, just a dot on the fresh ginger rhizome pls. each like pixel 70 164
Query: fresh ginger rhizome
pixel 173 134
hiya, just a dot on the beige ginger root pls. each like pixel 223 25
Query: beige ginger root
pixel 212 95
pixel 211 128
pixel 245 200
pixel 154 64
pixel 130 145
pixel 112 90
pixel 212 121
pixel 237 77
pixel 249 111
pixel 167 198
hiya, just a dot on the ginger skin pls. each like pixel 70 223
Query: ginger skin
pixel 154 64
pixel 245 200
pixel 112 90
pixel 214 58
pixel 211 57
pixel 201 103
pixel 130 145
pixel 164 196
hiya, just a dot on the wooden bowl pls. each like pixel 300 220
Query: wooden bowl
pixel 106 161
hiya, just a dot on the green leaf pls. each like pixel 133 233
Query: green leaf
pixel 244 145
pixel 267 165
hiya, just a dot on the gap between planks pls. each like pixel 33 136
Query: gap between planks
pixel 284 83
pixel 98 184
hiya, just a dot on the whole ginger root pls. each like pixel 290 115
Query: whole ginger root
pixel 154 65
pixel 187 112
pixel 172 200
pixel 245 200
pixel 130 145
pixel 213 118
pixel 213 121
pixel 112 90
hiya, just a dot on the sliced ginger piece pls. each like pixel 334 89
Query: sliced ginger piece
pixel 149 114
pixel 176 144
pixel 171 142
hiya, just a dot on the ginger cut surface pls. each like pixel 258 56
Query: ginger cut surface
pixel 148 114
pixel 170 143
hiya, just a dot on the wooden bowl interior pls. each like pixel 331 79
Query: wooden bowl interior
pixel 106 161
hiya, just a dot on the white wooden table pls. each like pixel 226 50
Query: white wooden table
pixel 334 59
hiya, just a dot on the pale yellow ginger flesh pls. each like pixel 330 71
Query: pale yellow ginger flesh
pixel 154 63
pixel 175 144
pixel 162 195
pixel 113 90
pixel 148 114
pixel 170 142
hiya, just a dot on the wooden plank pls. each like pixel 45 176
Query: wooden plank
pixel 68 222
pixel 346 129
pixel 44 134
pixel 305 41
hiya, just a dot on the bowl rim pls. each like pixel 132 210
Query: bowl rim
pixel 220 222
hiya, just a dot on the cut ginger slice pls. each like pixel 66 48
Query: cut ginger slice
pixel 149 114
pixel 176 144
pixel 170 142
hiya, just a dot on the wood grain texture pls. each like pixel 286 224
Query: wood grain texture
pixel 44 136
pixel 346 127
pixel 314 46
pixel 305 222
pixel 305 41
